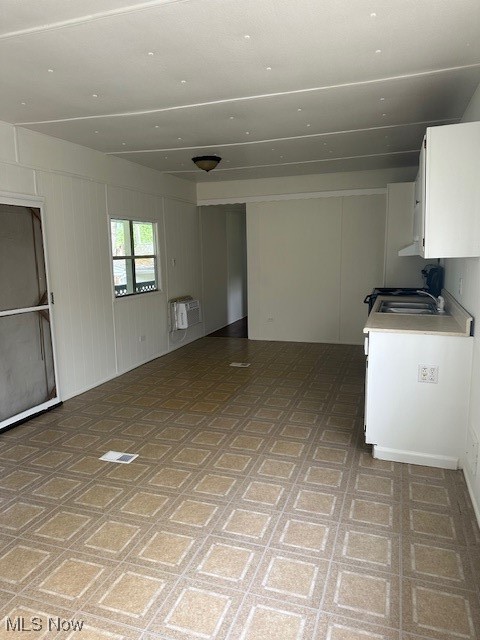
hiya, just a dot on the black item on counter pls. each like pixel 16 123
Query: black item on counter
pixel 433 275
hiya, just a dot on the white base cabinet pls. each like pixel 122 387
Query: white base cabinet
pixel 417 422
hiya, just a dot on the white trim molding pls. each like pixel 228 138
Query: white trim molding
pixel 415 457
pixel 21 199
pixel 340 193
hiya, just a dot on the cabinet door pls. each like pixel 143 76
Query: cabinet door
pixel 452 204
pixel 410 421
pixel 419 210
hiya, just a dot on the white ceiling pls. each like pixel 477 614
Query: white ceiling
pixel 275 87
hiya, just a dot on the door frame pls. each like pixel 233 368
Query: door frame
pixel 38 202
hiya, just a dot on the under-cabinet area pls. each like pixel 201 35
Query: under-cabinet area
pixel 418 385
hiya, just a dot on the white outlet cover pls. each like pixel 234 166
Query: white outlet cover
pixel 428 373
pixel 240 364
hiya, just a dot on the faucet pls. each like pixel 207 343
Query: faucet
pixel 439 302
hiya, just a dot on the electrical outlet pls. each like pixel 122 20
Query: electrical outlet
pixel 428 373
pixel 270 319
pixel 142 338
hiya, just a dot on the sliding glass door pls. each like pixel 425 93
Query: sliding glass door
pixel 27 366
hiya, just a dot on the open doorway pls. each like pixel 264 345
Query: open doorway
pixel 224 270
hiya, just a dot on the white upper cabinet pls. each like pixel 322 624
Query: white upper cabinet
pixel 447 193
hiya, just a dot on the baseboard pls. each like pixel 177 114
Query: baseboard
pixel 476 506
pixel 171 348
pixel 414 457
pixel 98 383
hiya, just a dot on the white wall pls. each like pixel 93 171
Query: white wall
pixel 401 271
pixel 97 337
pixel 468 270
pixel 237 264
pixel 243 190
pixel 183 257
pixel 310 264
pixel 223 235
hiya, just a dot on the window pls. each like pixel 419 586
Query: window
pixel 134 257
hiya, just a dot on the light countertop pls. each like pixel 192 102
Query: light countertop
pixel 455 322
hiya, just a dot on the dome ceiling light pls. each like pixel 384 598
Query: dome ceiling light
pixel 207 163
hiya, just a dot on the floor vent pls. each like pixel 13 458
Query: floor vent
pixel 117 456
pixel 240 364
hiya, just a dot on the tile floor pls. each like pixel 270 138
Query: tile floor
pixel 253 511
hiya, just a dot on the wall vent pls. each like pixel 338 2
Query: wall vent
pixel 117 456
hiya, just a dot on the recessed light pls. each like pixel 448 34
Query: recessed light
pixel 269 68
pixel 94 95
pixel 299 109
pixel 247 133
pixel 246 36
pixel 378 51
pixel 50 70
pixel 124 144
pixel 382 99
pixel 157 126
pixel 373 14
pixel 183 81
pixel 309 125
pixel 150 53
pixel 232 117
pixel 23 103
pixel 95 132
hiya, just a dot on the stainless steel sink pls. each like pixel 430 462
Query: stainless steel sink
pixel 409 308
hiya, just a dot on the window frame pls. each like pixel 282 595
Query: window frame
pixel 130 258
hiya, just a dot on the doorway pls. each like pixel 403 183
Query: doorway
pixel 224 269
pixel 27 363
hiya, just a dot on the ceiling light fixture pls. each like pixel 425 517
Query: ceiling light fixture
pixel 207 163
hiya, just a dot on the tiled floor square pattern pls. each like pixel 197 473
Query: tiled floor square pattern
pixel 253 512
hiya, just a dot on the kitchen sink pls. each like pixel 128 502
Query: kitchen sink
pixel 409 308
